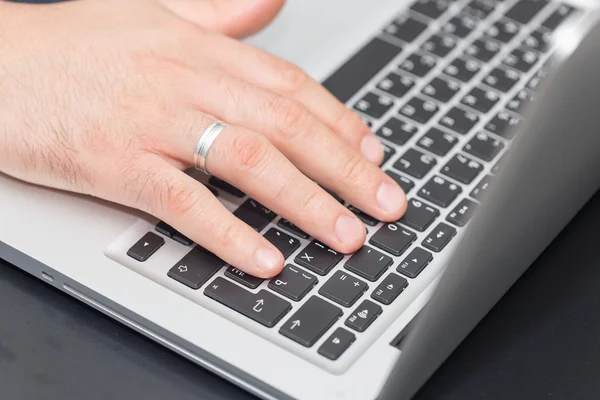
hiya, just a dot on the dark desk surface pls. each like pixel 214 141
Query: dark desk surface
pixel 542 340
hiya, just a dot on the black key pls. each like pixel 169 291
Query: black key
pixel 503 30
pixel 406 28
pixel 480 8
pixel 415 262
pixel 361 68
pixel 459 120
pixel 284 242
pixel 523 60
pixel 168 230
pixel 484 49
pixel 343 288
pixel 558 16
pixel 165 229
pixel 374 105
pixel 388 152
pixel 145 247
pixel 521 101
pixel 439 237
pixel 462 213
pixel 213 191
pixel 293 283
pixel 481 100
pixel 461 25
pixel 241 277
pixel 390 288
pixel 216 182
pixel 254 219
pixel 504 125
pixel 196 267
pixel 258 208
pixel 368 263
pixel 539 40
pixel 481 187
pixel 262 307
pixel 438 142
pixel 502 79
pixel 396 85
pixel 318 258
pixel 311 321
pixel 463 69
pixel 419 215
pixel 419 110
pixel 415 163
pixel 440 191
pixel 397 131
pixel 430 8
pixel 336 344
pixel 366 218
pixel 441 89
pixel 418 64
pixel 288 226
pixel 483 146
pixel 440 45
pixel 405 183
pixel 524 10
pixel 363 316
pixel 462 169
pixel 393 238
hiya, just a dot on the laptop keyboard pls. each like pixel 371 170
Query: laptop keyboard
pixel 443 85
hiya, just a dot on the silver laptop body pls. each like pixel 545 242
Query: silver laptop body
pixel 79 244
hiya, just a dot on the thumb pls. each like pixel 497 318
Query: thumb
pixel 237 18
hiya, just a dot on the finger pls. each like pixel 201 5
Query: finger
pixel 157 187
pixel 231 17
pixel 275 74
pixel 305 140
pixel 249 161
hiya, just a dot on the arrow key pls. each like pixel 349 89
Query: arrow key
pixel 145 247
pixel 311 321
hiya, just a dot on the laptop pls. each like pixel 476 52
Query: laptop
pixel 445 85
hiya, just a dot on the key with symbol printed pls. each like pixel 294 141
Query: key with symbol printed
pixel 311 321
pixel 415 262
pixel 439 237
pixel 284 242
pixel 318 258
pixel 343 288
pixel 338 342
pixel 293 282
pixel 196 267
pixel 263 307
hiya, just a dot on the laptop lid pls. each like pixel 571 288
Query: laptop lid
pixel 548 175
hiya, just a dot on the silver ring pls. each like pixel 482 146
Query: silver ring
pixel 206 140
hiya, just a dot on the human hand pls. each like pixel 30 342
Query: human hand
pixel 108 98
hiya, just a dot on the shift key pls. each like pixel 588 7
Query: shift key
pixel 263 307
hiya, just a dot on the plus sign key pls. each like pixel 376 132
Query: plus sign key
pixel 318 258
pixel 343 288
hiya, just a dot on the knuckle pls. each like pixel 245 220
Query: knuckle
pixel 250 151
pixel 294 79
pixel 229 235
pixel 180 200
pixel 311 201
pixel 294 119
pixel 354 168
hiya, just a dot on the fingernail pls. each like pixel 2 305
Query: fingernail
pixel 348 229
pixel 266 259
pixel 390 197
pixel 371 149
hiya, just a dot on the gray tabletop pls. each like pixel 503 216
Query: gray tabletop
pixel 542 340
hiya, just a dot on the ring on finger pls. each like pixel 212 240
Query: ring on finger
pixel 207 138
